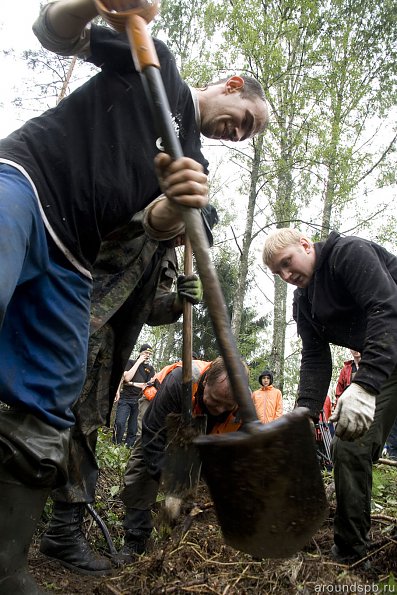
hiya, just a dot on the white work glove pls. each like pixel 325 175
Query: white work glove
pixel 354 412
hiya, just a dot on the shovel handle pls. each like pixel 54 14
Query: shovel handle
pixel 187 318
pixel 139 37
pixel 213 297
pixel 187 344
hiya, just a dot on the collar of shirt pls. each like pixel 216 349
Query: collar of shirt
pixel 196 106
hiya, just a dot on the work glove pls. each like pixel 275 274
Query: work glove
pixel 189 287
pixel 354 412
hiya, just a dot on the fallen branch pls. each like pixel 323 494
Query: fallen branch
pixel 387 462
pixel 383 517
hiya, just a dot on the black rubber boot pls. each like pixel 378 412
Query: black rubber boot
pixel 65 542
pixel 20 510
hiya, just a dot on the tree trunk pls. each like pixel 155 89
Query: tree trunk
pixel 238 301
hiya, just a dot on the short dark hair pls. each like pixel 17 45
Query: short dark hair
pixel 252 88
pixel 217 369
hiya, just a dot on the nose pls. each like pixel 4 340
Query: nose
pixel 218 410
pixel 285 275
pixel 238 134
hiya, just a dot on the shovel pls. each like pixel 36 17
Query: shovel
pixel 182 462
pixel 291 439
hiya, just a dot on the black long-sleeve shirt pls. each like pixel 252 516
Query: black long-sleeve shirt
pixel 351 301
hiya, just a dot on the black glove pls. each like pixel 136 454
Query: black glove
pixel 189 287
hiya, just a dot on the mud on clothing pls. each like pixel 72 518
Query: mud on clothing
pixel 121 304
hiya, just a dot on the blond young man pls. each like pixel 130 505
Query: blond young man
pixel 346 295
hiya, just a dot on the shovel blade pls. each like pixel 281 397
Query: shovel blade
pixel 182 463
pixel 266 485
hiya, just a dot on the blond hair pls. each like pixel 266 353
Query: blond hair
pixel 278 240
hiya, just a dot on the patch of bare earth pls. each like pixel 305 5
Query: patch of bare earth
pixel 192 558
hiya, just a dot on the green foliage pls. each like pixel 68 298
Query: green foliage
pixel 112 456
pixel 204 342
pixel 384 490
pixel 388 585
pixel 189 32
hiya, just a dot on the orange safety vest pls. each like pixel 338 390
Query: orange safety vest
pixel 198 368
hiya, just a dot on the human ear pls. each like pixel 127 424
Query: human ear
pixel 235 83
pixel 306 245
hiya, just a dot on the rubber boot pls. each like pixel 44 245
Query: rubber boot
pixel 65 542
pixel 20 510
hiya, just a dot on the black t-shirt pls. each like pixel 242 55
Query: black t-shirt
pixel 143 374
pixel 91 157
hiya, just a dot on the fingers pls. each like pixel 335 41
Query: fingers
pixel 183 181
pixel 335 416
pixel 349 430
pixel 122 5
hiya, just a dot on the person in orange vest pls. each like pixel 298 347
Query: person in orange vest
pixel 212 396
pixel 268 400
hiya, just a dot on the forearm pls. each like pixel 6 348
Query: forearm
pixel 165 310
pixel 315 376
pixel 129 375
pixel 62 28
pixel 68 18
pixel 162 219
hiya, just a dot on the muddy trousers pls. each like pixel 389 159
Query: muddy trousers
pixel 140 489
pixel 353 474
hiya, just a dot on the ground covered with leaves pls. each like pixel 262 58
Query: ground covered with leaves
pixel 192 557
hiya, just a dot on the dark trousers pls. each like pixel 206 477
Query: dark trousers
pixel 353 473
pixel 127 411
pixel 392 442
pixel 140 489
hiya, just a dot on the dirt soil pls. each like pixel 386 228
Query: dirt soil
pixel 193 558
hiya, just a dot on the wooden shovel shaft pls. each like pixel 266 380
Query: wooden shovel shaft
pixel 187 339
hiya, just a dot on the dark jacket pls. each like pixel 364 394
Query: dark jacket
pixel 169 400
pixel 351 301
pixel 133 277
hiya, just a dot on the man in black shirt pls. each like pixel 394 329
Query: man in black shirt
pixel 68 179
pixel 136 376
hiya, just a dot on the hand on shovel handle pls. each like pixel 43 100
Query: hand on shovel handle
pixel 183 181
pixel 118 12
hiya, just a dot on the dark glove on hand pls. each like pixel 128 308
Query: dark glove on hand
pixel 189 287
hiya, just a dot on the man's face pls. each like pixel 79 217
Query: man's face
pixel 217 397
pixel 265 380
pixel 295 263
pixel 227 116
pixel 147 355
